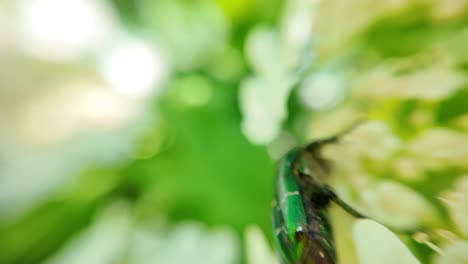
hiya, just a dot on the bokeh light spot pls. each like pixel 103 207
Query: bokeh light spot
pixel 195 91
pixel 63 30
pixel 322 91
pixel 134 68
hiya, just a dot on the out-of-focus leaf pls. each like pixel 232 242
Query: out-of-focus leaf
pixel 209 172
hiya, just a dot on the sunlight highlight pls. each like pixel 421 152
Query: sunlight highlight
pixel 134 68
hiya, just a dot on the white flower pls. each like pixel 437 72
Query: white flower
pixel 102 243
pixel 456 253
pixel 432 83
pixel 397 205
pixel 263 103
pixel 188 243
pixel 440 147
pixel 376 244
pixel 264 51
pixel 373 140
pixel 456 202
pixel 257 249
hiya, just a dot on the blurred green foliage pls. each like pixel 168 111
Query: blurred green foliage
pixel 193 161
pixel 208 171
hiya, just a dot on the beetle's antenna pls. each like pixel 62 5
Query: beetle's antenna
pixel 336 137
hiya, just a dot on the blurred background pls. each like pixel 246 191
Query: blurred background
pixel 138 131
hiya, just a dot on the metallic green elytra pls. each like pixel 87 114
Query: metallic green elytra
pixel 301 226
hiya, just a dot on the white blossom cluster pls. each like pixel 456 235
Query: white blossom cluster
pixel 405 162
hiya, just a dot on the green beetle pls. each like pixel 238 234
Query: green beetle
pixel 302 230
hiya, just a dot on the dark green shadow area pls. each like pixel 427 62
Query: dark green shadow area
pixel 209 172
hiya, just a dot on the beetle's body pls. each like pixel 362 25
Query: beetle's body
pixel 300 218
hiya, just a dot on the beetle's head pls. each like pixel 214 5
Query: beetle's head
pixel 313 168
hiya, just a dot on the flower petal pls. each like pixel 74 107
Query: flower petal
pixel 257 249
pixel 376 244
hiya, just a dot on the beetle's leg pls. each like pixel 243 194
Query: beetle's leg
pixel 348 208
pixel 333 197
pixel 353 212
